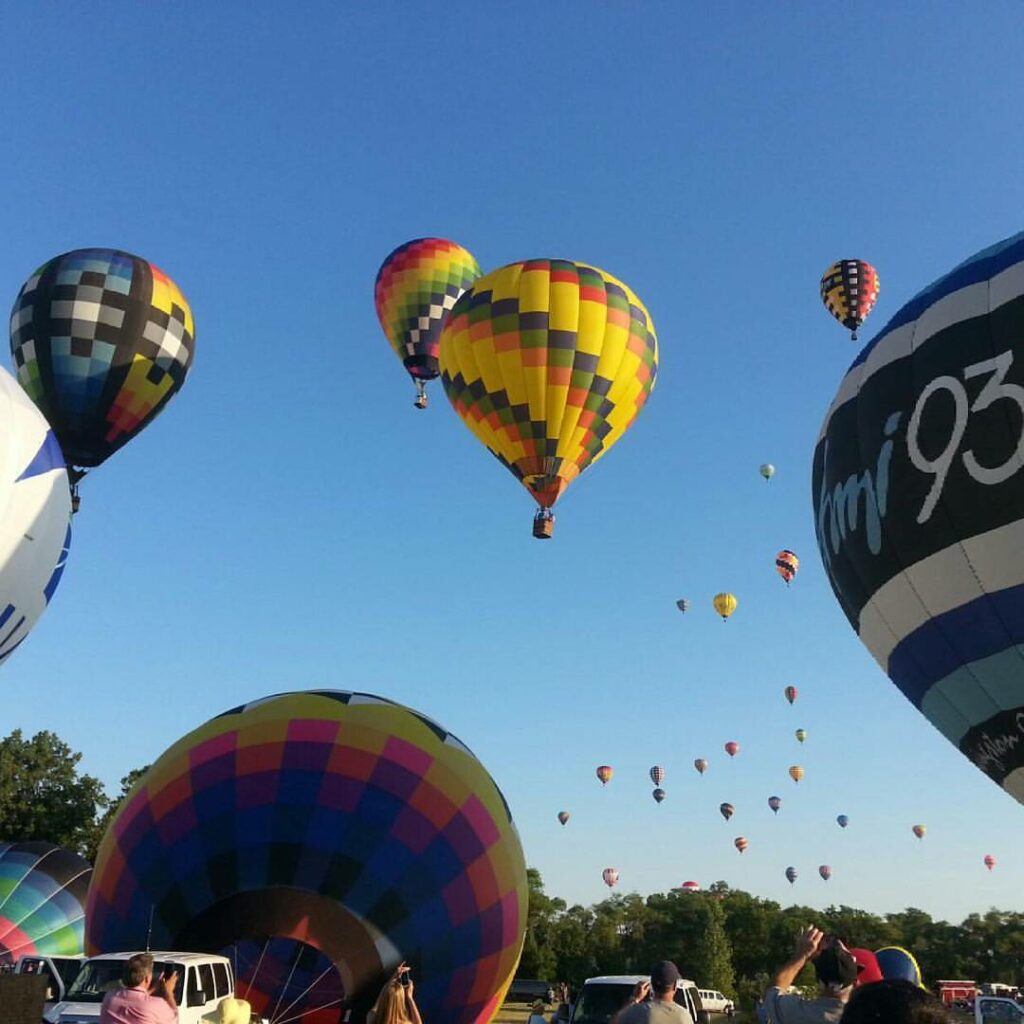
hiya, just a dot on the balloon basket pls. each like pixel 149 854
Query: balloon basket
pixel 420 401
pixel 543 525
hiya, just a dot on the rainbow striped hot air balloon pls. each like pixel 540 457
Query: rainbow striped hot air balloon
pixel 786 565
pixel 604 772
pixel 740 843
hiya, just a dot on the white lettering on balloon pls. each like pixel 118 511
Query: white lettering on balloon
pixel 989 751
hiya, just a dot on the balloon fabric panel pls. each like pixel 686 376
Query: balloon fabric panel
pixel 101 340
pixel 849 289
pixel 548 362
pixel 357 817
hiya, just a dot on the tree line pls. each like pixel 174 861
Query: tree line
pixel 733 941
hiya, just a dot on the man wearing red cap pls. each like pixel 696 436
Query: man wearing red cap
pixel 837 974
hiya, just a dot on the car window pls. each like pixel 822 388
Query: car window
pixel 998 1010
pixel 220 979
pixel 206 980
pixel 192 988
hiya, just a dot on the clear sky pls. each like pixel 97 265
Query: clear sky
pixel 291 521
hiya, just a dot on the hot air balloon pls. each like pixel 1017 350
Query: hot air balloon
pixel 42 900
pixel 35 517
pixel 688 887
pixel 825 871
pixel 767 470
pixel 786 565
pixel 548 363
pixel 919 831
pixel 990 861
pixel 790 693
pixel 563 816
pixel 897 963
pixel 796 773
pixel 801 734
pixel 775 802
pixel 658 794
pixel 604 773
pixel 843 820
pixel 416 288
pixel 371 786
pixel 791 875
pixel 732 748
pixel 725 604
pixel 701 765
pixel 919 504
pixel 611 877
pixel 849 289
pixel 102 340
pixel 727 811
pixel 740 843
pixel 657 774
pixel 683 605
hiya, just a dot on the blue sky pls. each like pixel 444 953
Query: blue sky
pixel 292 522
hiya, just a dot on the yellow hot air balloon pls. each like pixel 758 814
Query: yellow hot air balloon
pixel 796 773
pixel 548 363
pixel 725 604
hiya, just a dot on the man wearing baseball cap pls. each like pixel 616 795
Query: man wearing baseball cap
pixel 654 1002
pixel 837 974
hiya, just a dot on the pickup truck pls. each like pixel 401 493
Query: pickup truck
pixel 988 1009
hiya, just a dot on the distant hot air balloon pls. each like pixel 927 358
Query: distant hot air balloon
pixel 732 748
pixel 740 843
pixel 683 605
pixel 610 876
pixel 657 774
pixel 919 831
pixel 548 363
pixel 790 693
pixel 767 470
pixel 701 765
pixel 849 289
pixel 725 604
pixel 689 887
pixel 786 565
pixel 990 861
pixel 727 811
pixel 658 794
pixel 604 773
pixel 416 288
pixel 102 340
pixel 825 871
pixel 791 874
pixel 801 734
pixel 843 820
pixel 796 773
pixel 775 802
pixel 563 816
pixel 918 499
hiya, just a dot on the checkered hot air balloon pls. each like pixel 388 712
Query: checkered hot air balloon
pixel 657 774
pixel 548 363
pixel 786 565
pixel 849 289
pixel 416 288
pixel 102 340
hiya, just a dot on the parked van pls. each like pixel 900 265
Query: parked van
pixel 59 971
pixel 715 1002
pixel 203 981
pixel 601 998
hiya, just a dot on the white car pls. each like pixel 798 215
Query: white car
pixel 203 981
pixel 601 998
pixel 715 1002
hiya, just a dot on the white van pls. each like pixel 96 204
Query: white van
pixel 203 981
pixel 601 998
pixel 715 1002
pixel 59 972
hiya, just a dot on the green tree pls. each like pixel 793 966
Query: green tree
pixel 99 830
pixel 42 794
pixel 539 959
pixel 689 929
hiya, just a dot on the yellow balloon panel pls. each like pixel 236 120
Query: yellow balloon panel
pixel 548 362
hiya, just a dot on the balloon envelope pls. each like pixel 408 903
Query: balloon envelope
pixel 701 765
pixel 786 565
pixel 767 470
pixel 790 693
pixel 690 887
pixel 604 772
pixel 843 820
pixel 102 340
pixel 658 794
pixel 919 831
pixel 849 290
pixel 657 774
pixel 393 812
pixel 563 816
pixel 801 734
pixel 683 605
pixel 897 963
pixel 919 504
pixel 740 843
pixel 990 861
pixel 825 871
pixel 732 748
pixel 42 901
pixel 791 875
pixel 725 604
pixel 548 363
pixel 796 773
pixel 610 876
pixel 35 515
pixel 727 811
pixel 774 803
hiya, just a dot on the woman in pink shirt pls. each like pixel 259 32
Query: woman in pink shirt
pixel 140 1001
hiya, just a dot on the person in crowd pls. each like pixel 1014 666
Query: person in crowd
pixel 396 1003
pixel 894 1001
pixel 536 1013
pixel 836 971
pixel 139 1000
pixel 653 1002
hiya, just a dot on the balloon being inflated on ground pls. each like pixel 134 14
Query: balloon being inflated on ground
pixel 338 825
pixel 35 515
pixel 918 495
pixel 42 901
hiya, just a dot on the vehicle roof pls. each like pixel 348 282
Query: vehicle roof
pixel 628 979
pixel 156 954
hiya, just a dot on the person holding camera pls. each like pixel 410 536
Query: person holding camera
pixel 396 1003
pixel 140 1000
pixel 837 974
pixel 654 1001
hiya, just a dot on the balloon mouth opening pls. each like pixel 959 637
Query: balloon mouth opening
pixel 422 367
